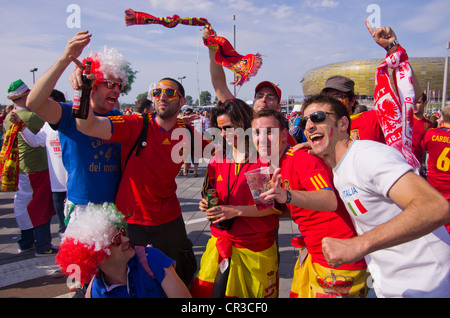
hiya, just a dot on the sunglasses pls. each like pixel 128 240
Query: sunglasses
pixel 269 97
pixel 316 117
pixel 224 128
pixel 117 239
pixel 170 92
pixel 112 84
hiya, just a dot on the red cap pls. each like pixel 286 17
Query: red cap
pixel 271 85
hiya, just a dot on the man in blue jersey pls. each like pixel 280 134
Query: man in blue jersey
pixel 93 164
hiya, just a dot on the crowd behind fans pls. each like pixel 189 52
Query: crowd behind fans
pixel 370 223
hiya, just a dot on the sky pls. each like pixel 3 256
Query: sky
pixel 293 37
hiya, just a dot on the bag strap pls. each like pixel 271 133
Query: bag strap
pixel 141 142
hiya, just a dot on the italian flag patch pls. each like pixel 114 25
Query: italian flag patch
pixel 356 207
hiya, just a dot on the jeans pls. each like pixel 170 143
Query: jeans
pixel 41 234
pixel 59 199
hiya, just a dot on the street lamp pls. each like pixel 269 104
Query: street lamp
pixel 444 91
pixel 181 79
pixel 32 71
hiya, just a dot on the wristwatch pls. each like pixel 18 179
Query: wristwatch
pixel 387 48
pixel 288 196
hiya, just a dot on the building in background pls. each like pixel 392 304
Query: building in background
pixel 429 71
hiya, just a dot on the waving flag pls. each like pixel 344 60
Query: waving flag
pixel 244 66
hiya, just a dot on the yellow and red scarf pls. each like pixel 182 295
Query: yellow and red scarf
pixel 244 66
pixel 9 159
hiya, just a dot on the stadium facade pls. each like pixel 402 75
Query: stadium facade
pixel 429 71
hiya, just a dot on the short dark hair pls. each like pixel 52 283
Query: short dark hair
pixel 143 104
pixel 336 106
pixel 179 86
pixel 240 113
pixel 58 96
pixel 266 112
pixel 424 97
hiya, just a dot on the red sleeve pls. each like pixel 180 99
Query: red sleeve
pixel 311 172
pixel 126 129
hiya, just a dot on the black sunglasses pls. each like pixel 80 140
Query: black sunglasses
pixel 316 117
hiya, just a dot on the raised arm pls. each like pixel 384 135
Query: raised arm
pixel 218 78
pixel 384 36
pixel 38 100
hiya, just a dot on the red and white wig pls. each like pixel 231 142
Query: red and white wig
pixel 109 63
pixel 87 239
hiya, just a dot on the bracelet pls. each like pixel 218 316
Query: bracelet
pixel 387 48
pixel 288 196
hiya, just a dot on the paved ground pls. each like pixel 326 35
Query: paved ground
pixel 27 276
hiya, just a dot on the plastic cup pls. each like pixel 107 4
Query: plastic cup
pixel 258 181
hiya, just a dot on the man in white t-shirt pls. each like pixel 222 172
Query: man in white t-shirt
pixel 398 216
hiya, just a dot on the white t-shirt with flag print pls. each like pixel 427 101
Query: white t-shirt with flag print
pixel 419 268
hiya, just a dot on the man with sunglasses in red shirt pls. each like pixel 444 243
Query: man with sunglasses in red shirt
pixel 147 192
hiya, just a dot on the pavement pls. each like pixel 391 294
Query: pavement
pixel 28 276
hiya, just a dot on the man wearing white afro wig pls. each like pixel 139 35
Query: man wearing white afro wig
pixel 95 249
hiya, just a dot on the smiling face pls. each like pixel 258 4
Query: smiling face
pixel 320 135
pixel 267 136
pixel 120 251
pixel 227 129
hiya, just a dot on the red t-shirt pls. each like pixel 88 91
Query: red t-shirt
pixel 437 142
pixel 228 178
pixel 147 191
pixel 420 127
pixel 305 172
pixel 365 126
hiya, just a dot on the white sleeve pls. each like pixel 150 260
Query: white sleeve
pixel 33 140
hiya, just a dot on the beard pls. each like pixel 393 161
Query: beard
pixel 167 112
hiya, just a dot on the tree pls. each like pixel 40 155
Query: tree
pixel 142 95
pixel 189 100
pixel 205 98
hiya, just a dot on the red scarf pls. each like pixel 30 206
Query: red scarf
pixel 396 113
pixel 243 66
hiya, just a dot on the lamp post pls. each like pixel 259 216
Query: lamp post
pixel 181 79
pixel 32 71
pixel 444 90
pixel 234 46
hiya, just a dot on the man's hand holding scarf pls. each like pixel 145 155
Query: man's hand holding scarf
pixel 244 66
pixel 395 112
